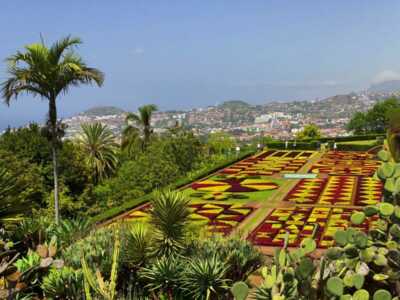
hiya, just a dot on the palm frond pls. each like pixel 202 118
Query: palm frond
pixel 59 47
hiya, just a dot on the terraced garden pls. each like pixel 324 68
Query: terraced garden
pixel 253 198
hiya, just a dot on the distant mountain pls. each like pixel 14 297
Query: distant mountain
pixel 102 111
pixel 385 87
pixel 234 104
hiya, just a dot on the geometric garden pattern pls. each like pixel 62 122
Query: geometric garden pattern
pixel 217 218
pixel 323 205
pixel 303 222
pixel 315 207
pixel 337 190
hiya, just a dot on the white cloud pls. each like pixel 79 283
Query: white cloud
pixel 386 75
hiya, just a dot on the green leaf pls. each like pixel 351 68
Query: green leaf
pixel 335 286
pixel 382 295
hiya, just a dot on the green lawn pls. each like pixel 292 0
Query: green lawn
pixel 260 196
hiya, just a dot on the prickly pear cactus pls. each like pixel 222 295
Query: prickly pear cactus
pixel 389 174
pixel 393 135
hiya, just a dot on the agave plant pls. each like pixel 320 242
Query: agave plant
pixel 71 230
pixel 137 246
pixel 64 283
pixel 205 278
pixel 163 277
pixel 169 216
pixel 241 257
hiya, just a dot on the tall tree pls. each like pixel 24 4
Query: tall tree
pixel 47 72
pixel 310 131
pixel 143 121
pixel 98 143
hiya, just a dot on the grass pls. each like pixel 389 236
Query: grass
pixel 367 142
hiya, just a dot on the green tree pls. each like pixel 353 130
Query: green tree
pixel 375 120
pixel 98 143
pixel 358 124
pixel 182 148
pixel 135 178
pixel 131 143
pixel 20 187
pixel 47 72
pixel 143 121
pixel 220 142
pixel 310 131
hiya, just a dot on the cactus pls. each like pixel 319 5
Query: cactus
pixel 341 237
pixel 361 295
pixel 386 209
pixel 382 295
pixel 384 156
pixel 358 218
pixel 107 289
pixel 358 281
pixel 240 290
pixel 335 286
pixel 308 245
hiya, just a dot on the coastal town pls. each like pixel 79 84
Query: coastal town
pixel 282 120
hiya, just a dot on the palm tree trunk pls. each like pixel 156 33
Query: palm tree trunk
pixel 53 125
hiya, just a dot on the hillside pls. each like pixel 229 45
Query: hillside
pixel 103 111
pixel 390 86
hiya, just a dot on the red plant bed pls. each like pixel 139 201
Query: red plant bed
pixel 306 191
pixel 300 223
pixel 234 185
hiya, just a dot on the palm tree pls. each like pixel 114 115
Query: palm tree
pixel 143 121
pixel 130 141
pixel 98 143
pixel 47 72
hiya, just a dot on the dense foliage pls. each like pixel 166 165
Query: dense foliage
pixel 375 120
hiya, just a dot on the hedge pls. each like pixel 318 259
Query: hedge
pixel 299 145
pixel 115 211
pixel 356 147
pixel 348 138
pixel 315 144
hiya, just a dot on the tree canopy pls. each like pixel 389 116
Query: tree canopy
pixel 375 120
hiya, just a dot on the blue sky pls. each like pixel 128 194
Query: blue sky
pixel 182 54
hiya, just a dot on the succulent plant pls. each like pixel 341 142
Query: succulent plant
pixel 240 290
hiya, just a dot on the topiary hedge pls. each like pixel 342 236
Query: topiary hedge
pixel 115 211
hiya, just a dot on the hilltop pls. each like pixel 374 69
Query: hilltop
pixel 102 111
pixel 235 105
pixel 390 86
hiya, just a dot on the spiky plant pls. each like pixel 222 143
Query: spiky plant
pixel 169 217
pixel 71 230
pixel 204 278
pixel 48 72
pixel 163 277
pixel 95 281
pixel 98 143
pixel 137 246
pixel 12 206
pixel 64 283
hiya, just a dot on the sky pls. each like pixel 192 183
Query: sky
pixel 184 54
